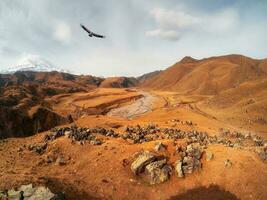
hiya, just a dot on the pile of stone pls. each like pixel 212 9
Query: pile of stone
pixel 262 152
pixel 187 122
pixel 28 192
pixel 151 132
pixel 154 167
pixel 80 134
pixel 257 140
pixel 140 134
pixel 38 148
pixel 148 133
pixel 189 159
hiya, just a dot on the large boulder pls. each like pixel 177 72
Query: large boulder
pixel 190 164
pixel 28 192
pixel 144 158
pixel 155 167
pixel 158 171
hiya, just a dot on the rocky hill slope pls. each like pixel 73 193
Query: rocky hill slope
pixel 208 76
pixel 119 82
pixel 24 101
pixel 148 76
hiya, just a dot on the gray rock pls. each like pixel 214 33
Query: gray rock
pixel 96 142
pixel 194 151
pixel 144 158
pixel 160 147
pixel 158 171
pixel 178 168
pixel 4 195
pixel 14 195
pixel 67 133
pixel 41 193
pixel 209 155
pixel 27 189
pixel 60 160
pixel 38 148
pixel 20 149
pixel 190 164
pixel 228 163
pixel 28 192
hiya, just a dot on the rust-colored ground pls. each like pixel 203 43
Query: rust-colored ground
pixel 103 172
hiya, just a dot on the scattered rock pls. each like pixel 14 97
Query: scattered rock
pixel 178 168
pixel 262 152
pixel 60 160
pixel 38 148
pixel 20 149
pixel 190 123
pixel 96 142
pixel 160 147
pixel 228 163
pixel 209 155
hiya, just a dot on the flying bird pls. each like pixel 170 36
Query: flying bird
pixel 90 33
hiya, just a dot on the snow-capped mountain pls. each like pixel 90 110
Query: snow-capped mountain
pixel 36 64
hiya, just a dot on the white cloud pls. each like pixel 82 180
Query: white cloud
pixel 62 32
pixel 51 29
pixel 165 34
pixel 181 22
pixel 169 19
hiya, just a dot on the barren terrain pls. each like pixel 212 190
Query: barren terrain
pixel 104 171
pixel 150 142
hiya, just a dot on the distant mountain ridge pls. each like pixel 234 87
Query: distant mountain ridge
pixel 208 76
pixel 148 76
pixel 35 65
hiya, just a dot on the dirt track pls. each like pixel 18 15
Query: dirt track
pixel 140 106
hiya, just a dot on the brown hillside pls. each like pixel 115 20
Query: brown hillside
pixel 208 76
pixel 26 99
pixel 118 82
pixel 148 76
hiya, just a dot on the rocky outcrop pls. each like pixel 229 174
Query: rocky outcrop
pixel 154 167
pixel 28 192
pixel 143 159
pixel 17 123
pixel 158 171
pixel 119 82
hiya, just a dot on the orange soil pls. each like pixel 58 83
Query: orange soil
pixel 104 172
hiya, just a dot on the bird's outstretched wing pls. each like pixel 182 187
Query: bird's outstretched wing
pixel 84 28
pixel 97 35
pixel 91 33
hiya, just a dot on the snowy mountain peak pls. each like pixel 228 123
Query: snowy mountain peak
pixel 33 63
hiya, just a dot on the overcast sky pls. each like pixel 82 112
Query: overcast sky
pixel 141 35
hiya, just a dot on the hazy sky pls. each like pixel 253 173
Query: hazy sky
pixel 142 35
